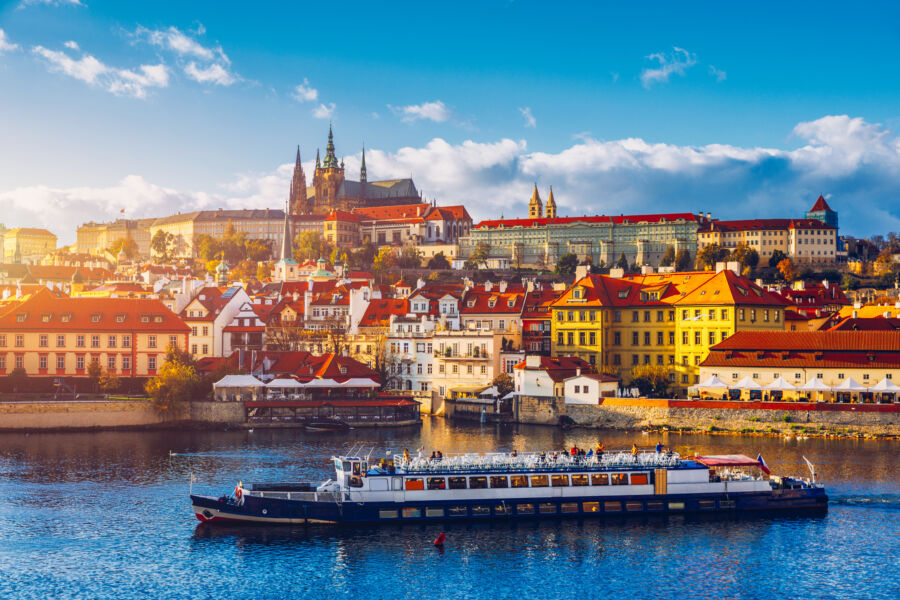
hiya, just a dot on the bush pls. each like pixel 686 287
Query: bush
pixel 786 418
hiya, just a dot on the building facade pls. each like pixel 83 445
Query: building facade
pixel 802 240
pixel 27 245
pixel 186 228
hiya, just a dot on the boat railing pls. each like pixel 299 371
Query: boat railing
pixel 501 461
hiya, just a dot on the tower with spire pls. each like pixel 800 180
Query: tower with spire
pixel 550 208
pixel 286 268
pixel 328 179
pixel 535 207
pixel 297 204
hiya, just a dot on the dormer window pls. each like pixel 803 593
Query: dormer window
pixel 510 303
pixel 470 303
pixel 45 318
pixel 576 293
pixel 145 319
pixel 20 318
pixel 95 318
pixel 343 370
pixel 492 303
pixel 66 318
pixel 120 318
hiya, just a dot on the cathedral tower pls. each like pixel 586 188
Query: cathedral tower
pixel 535 207
pixel 328 179
pixel 550 211
pixel 297 204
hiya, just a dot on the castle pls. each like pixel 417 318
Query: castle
pixel 331 191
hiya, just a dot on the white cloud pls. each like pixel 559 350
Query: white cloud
pixel 675 63
pixel 718 74
pixel 529 118
pixel 214 73
pixel 324 111
pixel 71 45
pixel 5 44
pixel 305 93
pixel 25 3
pixel 435 111
pixel 122 82
pixel 856 162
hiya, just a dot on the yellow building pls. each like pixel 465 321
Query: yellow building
pixel 663 321
pixel 801 240
pixel 27 244
pixel 261 224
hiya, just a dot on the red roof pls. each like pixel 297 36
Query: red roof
pixel 449 213
pixel 342 215
pixel 560 368
pixel 620 220
pixel 379 311
pixel 866 324
pixel 48 311
pixel 481 302
pixel 812 341
pixel 762 225
pixel 820 205
pixel 390 213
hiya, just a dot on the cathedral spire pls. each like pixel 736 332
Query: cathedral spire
pixel 297 199
pixel 286 241
pixel 318 162
pixel 330 159
pixel 535 207
pixel 363 176
pixel 550 208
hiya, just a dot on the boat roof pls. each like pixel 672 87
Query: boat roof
pixel 727 460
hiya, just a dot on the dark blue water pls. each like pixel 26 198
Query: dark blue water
pixel 106 515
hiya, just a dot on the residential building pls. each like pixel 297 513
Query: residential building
pixel 494 307
pixel 342 229
pixel 536 320
pixel 52 335
pixel 545 375
pixel 589 388
pixel 465 362
pixel 27 244
pixel 807 241
pixel 207 316
pixel 410 353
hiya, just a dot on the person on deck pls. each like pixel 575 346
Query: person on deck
pixel 659 447
pixel 634 449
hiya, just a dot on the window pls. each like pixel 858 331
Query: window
pixel 456 483
pixel 592 338
pixel 477 483
pixel 712 338
pixel 79 362
pixel 590 507
pixel 173 341
pixel 579 480
pixel 525 509
pixel 126 341
pixel 412 484
pixel 20 362
pixel 42 362
pixel 635 338
pixel 151 363
pixel 617 316
pixel 60 341
pixel 126 363
pixel 518 481
pixel 20 340
pixel 619 478
pixel 111 363
pixel 547 508
pixel 635 316
pixel 617 338
pixel 499 481
pixel 151 341
pixel 60 362
pixel 671 338
pixel 599 479
pixel 205 330
pixel 436 483
pixel 639 479
pixel 193 348
pixel 646 338
pixel 559 480
pixel 539 481
pixel 205 348
pixel 612 507
pixel 635 359
pixel 111 341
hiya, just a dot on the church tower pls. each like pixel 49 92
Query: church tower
pixel 363 178
pixel 535 207
pixel 328 179
pixel 551 205
pixel 297 204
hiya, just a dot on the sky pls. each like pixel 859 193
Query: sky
pixel 742 110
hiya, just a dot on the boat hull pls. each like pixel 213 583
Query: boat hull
pixel 256 510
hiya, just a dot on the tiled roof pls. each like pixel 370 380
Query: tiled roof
pixel 559 368
pixel 449 213
pixel 538 302
pixel 820 205
pixel 812 341
pixel 378 313
pixel 390 213
pixel 814 295
pixel 620 220
pixel 48 311
pixel 305 365
pixel 342 215
pixel 867 324
pixel 481 302
pixel 762 225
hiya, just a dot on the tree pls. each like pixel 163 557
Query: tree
pixel 208 247
pixel 786 268
pixel 212 265
pixel 309 245
pixel 125 244
pixel 362 257
pixel 263 271
pixel 479 256
pixel 777 257
pixel 651 380
pixel 94 373
pixel 709 255
pixel 438 261
pixel 849 282
pixel 161 244
pixel 504 384
pixel 338 256
pixel 668 258
pixel 172 387
pixel 384 261
pixel 622 263
pixel 109 382
pixel 257 250
pixel 566 264
pixel 410 258
pixel 745 255
pixel 682 260
pixel 17 379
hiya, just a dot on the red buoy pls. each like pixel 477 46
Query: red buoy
pixel 440 539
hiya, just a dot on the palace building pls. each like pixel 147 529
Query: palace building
pixel 331 190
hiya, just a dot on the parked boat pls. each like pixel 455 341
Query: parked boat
pixel 517 486
pixel 334 424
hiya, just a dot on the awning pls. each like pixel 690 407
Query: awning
pixel 360 382
pixel 747 383
pixel 814 385
pixel 713 383
pixel 471 389
pixel 780 385
pixel 885 386
pixel 238 381
pixel 284 383
pixel 727 460
pixel 849 385
pixel 491 392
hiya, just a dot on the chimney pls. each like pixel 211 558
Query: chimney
pixel 533 361
pixel 488 286
pixel 578 372
pixel 709 216
pixel 581 271
pixel 502 287
pixel 617 273
pixel 529 285
pixel 855 314
pixel 825 283
pixel 720 266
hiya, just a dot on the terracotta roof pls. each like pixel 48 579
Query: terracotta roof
pixel 560 368
pixel 814 295
pixel 867 324
pixel 305 365
pixel 620 220
pixel 449 213
pixel 762 225
pixel 378 313
pixel 342 215
pixel 46 310
pixel 481 302
pixel 820 205
pixel 812 341
pixel 386 213
pixel 538 302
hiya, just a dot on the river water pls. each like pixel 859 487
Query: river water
pixel 106 515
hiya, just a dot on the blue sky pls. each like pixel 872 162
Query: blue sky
pixel 741 110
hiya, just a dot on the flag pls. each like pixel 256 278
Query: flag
pixel 762 464
pixel 122 211
pixel 239 493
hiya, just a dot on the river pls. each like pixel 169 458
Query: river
pixel 106 515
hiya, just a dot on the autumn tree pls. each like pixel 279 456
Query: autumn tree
pixel 176 381
pixel 438 261
pixel 410 258
pixel 384 261
pixel 362 257
pixel 162 244
pixel 682 260
pixel 709 255
pixel 651 380
pixel 125 244
pixel 479 256
pixel 745 255
pixel 94 373
pixel 504 384
pixel 310 245
pixel 786 268
pixel 668 259
pixel 208 247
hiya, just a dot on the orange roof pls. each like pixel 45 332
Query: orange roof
pixel 559 368
pixel 820 205
pixel 386 213
pixel 480 302
pixel 378 313
pixel 342 215
pixel 48 311
pixel 449 213
pixel 812 341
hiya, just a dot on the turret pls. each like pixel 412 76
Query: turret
pixel 535 207
pixel 550 211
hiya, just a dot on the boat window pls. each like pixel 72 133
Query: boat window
pixel 590 507
pixel 706 504
pixel 518 481
pixel 654 506
pixel 579 479
pixel 639 479
pixel 559 480
pixel 539 481
pixel 499 481
pixel 726 503
pixel 355 481
pixel 414 483
pixel 481 510
pixel 547 508
pixel 612 507
pixel 457 511
pixel 569 507
pixel 434 511
pixel 619 479
pixel 477 483
pixel 599 479
pixel 387 514
pixel 634 506
pixel 524 509
pixel 411 512
pixel 676 505
pixel 456 483
pixel 378 484
pixel 345 465
pixel 436 483
pixel 355 468
pixel 398 483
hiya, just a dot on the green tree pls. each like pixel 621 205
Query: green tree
pixel 682 260
pixel 622 263
pixel 362 257
pixel 650 380
pixel 126 244
pixel 384 261
pixel 566 264
pixel 257 250
pixel 337 255
pixel 410 258
pixel 745 255
pixel 263 271
pixel 208 247
pixel 668 258
pixel 709 255
pixel 479 256
pixel 777 257
pixel 849 282
pixel 504 384
pixel 309 245
pixel 438 261
pixel 161 244
pixel 94 373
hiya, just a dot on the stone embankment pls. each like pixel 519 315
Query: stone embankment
pixel 761 418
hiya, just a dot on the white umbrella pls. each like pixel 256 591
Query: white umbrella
pixel 885 385
pixel 849 385
pixel 781 385
pixel 713 383
pixel 814 385
pixel 747 383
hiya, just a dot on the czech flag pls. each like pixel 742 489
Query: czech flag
pixel 762 464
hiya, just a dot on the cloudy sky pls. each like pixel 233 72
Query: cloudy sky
pixel 157 107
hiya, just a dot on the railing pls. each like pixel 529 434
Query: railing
pixel 538 461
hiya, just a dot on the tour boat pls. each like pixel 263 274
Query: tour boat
pixel 517 486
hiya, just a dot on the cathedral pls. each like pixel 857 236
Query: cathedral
pixel 330 190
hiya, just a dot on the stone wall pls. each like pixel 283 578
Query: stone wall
pixel 82 415
pixel 540 410
pixel 218 412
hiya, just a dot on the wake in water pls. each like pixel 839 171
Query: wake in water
pixel 230 455
pixel 889 501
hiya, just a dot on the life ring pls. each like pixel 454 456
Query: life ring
pixel 265 511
